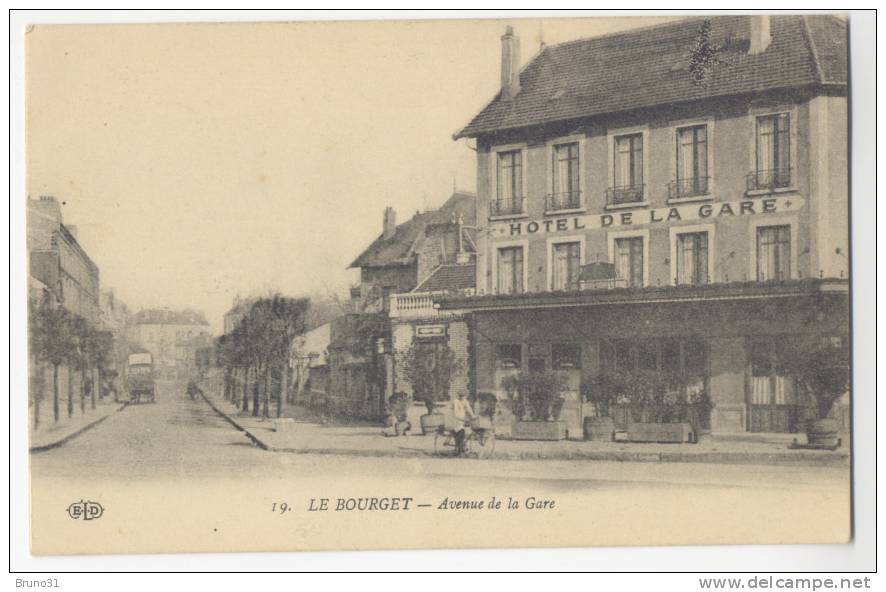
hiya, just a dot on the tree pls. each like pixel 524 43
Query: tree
pixel 429 370
pixel 274 323
pixel 103 356
pixel 820 367
pixel 82 359
pixel 52 341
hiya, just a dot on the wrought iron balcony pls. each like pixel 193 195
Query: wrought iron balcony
pixel 506 207
pixel 570 200
pixel 691 187
pixel 769 179
pixel 624 194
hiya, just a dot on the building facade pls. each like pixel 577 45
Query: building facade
pixel 58 261
pixel 712 202
pixel 430 250
pixel 172 337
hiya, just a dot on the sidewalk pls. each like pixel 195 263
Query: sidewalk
pixel 306 437
pixel 51 434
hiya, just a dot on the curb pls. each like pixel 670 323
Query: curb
pixel 231 421
pixel 72 435
pixel 733 458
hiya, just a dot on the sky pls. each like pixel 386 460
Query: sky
pixel 201 162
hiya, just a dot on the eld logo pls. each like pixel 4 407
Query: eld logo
pixel 85 510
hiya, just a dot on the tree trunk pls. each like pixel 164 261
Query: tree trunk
pixel 266 403
pixel 38 397
pixel 70 392
pixel 84 383
pixel 256 393
pixel 96 386
pixel 284 388
pixel 245 390
pixel 55 392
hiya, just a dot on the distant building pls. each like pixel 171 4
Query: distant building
pixel 58 261
pixel 237 312
pixel 171 337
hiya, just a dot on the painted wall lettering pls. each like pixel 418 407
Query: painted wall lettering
pixel 644 217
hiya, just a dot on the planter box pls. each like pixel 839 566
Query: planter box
pixel 600 429
pixel 539 430
pixel 660 432
pixel 430 423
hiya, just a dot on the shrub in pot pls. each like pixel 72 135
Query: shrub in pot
pixel 536 400
pixel 429 372
pixel 820 367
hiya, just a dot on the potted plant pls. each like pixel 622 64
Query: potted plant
pixel 601 391
pixel 537 400
pixel 821 371
pixel 656 403
pixel 429 371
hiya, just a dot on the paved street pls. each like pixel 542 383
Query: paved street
pixel 182 438
pixel 179 452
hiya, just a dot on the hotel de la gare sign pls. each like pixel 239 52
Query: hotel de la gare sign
pixel 653 216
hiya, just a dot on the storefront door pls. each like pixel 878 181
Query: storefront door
pixel 772 398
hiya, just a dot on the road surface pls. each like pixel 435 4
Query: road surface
pixel 179 457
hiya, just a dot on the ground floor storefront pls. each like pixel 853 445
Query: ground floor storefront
pixel 716 348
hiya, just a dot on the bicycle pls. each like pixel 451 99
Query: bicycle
pixel 479 441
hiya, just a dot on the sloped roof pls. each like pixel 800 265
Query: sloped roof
pixel 450 278
pixel 400 248
pixel 163 316
pixel 647 67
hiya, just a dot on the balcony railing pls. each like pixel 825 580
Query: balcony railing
pixel 624 194
pixel 570 200
pixel 770 179
pixel 413 305
pixel 691 187
pixel 506 207
pixel 420 305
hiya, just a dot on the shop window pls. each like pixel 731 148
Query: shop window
pixel 509 356
pixel 566 356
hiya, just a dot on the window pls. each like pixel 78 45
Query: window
pixel 510 270
pixel 628 173
pixel 692 258
pixel 566 185
pixel 566 356
pixel 565 265
pixel 509 356
pixel 510 183
pixel 629 260
pixel 773 165
pixel 773 253
pixel 692 162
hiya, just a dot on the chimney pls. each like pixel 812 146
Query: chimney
pixel 510 64
pixel 761 36
pixel 390 223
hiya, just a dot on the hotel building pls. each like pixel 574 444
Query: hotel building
pixel 674 199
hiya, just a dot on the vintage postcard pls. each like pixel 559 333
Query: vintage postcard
pixel 438 284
